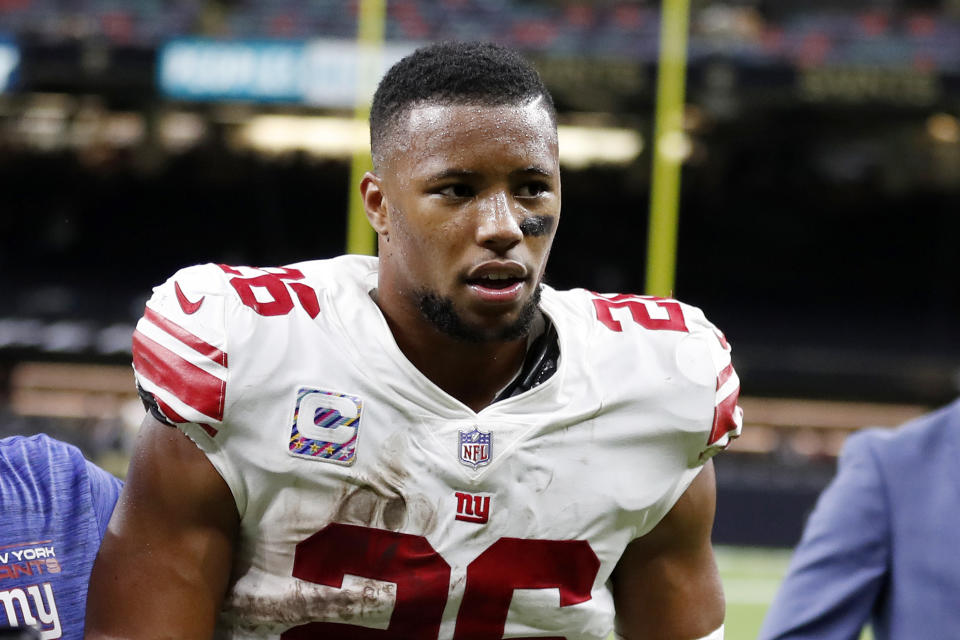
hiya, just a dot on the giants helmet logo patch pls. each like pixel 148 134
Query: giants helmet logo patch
pixel 475 448
pixel 325 426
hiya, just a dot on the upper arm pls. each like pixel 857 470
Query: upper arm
pixel 666 584
pixel 104 491
pixel 164 563
pixel 839 567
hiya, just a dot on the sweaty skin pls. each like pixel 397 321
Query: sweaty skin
pixel 666 584
pixel 468 192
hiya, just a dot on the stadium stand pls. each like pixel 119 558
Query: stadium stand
pixel 817 221
pixel 791 32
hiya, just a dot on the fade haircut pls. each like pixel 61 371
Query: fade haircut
pixel 452 73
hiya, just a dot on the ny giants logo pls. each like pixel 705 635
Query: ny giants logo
pixel 472 508
pixel 27 606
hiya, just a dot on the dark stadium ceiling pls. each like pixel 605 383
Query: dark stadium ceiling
pixel 595 56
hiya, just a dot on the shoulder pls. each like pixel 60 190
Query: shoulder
pixel 920 441
pixel 665 332
pixel 263 291
pixel 203 317
pixel 180 344
pixel 653 351
pixel 200 304
pixel 40 455
pixel 38 469
pixel 632 317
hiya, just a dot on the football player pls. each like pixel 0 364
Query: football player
pixel 432 444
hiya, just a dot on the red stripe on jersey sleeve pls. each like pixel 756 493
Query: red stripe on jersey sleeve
pixel 724 375
pixel 189 383
pixel 172 415
pixel 724 416
pixel 187 338
pixel 723 339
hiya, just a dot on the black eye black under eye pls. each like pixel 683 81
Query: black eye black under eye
pixel 536 225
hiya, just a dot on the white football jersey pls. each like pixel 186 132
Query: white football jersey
pixel 375 505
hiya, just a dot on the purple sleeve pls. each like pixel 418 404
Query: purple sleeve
pixel 104 491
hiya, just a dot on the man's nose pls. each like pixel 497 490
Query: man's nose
pixel 498 228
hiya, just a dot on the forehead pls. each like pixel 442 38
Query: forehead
pixel 432 136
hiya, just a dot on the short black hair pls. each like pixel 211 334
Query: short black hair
pixel 453 73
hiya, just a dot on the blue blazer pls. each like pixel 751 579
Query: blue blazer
pixel 882 544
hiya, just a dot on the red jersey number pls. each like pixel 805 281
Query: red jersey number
pixel 647 311
pixel 422 577
pixel 274 282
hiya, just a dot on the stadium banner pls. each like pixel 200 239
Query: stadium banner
pixel 9 64
pixel 315 72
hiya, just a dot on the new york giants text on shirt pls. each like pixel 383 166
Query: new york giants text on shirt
pixel 30 605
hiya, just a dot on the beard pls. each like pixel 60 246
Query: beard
pixel 442 315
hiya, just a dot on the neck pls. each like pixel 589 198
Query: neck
pixel 473 373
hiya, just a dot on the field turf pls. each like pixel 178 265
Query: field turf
pixel 750 580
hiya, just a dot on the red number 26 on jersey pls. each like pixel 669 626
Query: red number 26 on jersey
pixel 422 577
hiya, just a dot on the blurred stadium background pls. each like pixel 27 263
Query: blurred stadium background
pixel 818 215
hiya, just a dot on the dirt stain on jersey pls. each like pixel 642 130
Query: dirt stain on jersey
pixel 381 499
pixel 532 471
pixel 395 513
pixel 359 507
pixel 370 601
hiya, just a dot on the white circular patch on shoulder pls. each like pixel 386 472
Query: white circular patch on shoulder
pixel 695 361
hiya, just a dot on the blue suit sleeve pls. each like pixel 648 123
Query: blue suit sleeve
pixel 839 568
pixel 104 491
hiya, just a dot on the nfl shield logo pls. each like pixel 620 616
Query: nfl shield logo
pixel 475 448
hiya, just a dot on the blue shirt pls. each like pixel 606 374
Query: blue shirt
pixel 54 509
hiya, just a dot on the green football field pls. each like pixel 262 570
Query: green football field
pixel 750 580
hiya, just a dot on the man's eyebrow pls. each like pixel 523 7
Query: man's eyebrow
pixel 539 171
pixel 451 173
pixel 446 174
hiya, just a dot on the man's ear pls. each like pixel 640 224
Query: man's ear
pixel 375 203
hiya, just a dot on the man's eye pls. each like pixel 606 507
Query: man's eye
pixel 532 189
pixel 456 191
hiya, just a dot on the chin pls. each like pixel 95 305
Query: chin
pixel 443 315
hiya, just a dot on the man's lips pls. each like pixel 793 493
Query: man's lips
pixel 497 290
pixel 495 271
pixel 497 280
